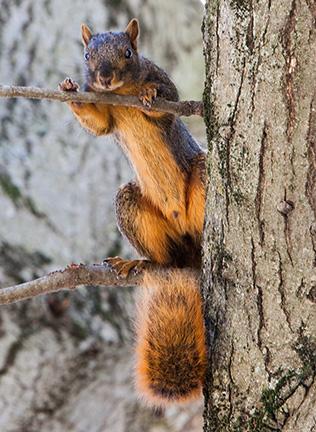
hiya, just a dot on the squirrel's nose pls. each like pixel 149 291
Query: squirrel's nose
pixel 106 74
pixel 106 80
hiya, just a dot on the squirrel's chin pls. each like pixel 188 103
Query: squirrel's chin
pixel 100 88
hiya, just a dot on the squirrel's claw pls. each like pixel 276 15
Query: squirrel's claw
pixel 123 267
pixel 68 85
pixel 147 95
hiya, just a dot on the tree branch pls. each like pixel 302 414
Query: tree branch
pixel 70 278
pixel 184 108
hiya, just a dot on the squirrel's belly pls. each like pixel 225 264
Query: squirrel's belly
pixel 161 179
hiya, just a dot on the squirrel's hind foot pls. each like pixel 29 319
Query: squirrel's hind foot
pixel 123 267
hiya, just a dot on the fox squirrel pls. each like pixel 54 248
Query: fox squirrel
pixel 161 212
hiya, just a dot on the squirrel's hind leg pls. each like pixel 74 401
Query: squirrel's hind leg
pixel 144 225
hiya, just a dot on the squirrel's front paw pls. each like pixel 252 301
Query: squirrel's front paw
pixel 147 95
pixel 68 85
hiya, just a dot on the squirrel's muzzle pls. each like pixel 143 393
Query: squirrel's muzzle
pixel 106 80
pixel 105 74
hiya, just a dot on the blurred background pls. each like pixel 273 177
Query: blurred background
pixel 66 359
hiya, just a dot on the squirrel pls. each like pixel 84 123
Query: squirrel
pixel 161 213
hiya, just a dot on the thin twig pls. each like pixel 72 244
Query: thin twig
pixel 70 278
pixel 184 108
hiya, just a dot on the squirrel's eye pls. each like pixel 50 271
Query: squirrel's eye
pixel 87 56
pixel 128 53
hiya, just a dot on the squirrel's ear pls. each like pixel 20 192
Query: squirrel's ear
pixel 85 34
pixel 132 30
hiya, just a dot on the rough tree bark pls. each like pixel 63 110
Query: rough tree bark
pixel 259 279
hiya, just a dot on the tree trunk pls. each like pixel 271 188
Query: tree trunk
pixel 259 278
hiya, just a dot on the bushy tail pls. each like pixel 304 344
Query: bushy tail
pixel 170 352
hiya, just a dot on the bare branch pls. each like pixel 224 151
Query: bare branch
pixel 70 278
pixel 184 108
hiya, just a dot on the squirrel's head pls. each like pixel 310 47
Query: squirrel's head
pixel 111 58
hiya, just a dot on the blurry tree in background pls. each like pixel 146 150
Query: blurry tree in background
pixel 65 360
pixel 260 233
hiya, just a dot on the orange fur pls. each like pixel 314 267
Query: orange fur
pixel 95 118
pixel 170 351
pixel 162 216
pixel 196 201
pixel 165 192
pixel 154 231
pixel 145 148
